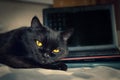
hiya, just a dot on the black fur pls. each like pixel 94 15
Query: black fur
pixel 19 50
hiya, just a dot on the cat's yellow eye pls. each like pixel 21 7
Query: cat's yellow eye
pixel 56 50
pixel 39 44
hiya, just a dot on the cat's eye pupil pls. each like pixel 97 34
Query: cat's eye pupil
pixel 39 44
pixel 56 50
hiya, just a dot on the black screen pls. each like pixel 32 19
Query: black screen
pixel 91 28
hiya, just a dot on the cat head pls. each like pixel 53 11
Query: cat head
pixel 45 45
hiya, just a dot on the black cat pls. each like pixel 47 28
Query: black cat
pixel 34 47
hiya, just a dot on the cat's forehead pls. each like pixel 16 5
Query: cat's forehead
pixel 49 34
pixel 51 38
pixel 53 34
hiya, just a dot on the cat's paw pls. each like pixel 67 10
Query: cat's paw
pixel 61 66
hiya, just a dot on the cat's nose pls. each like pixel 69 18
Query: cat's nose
pixel 46 55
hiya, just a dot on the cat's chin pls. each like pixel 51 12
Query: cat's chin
pixel 46 62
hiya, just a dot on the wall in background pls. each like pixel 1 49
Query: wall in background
pixel 17 14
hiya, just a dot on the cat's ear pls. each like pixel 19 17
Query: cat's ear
pixel 35 23
pixel 67 34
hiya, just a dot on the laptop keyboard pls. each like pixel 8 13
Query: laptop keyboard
pixel 107 52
